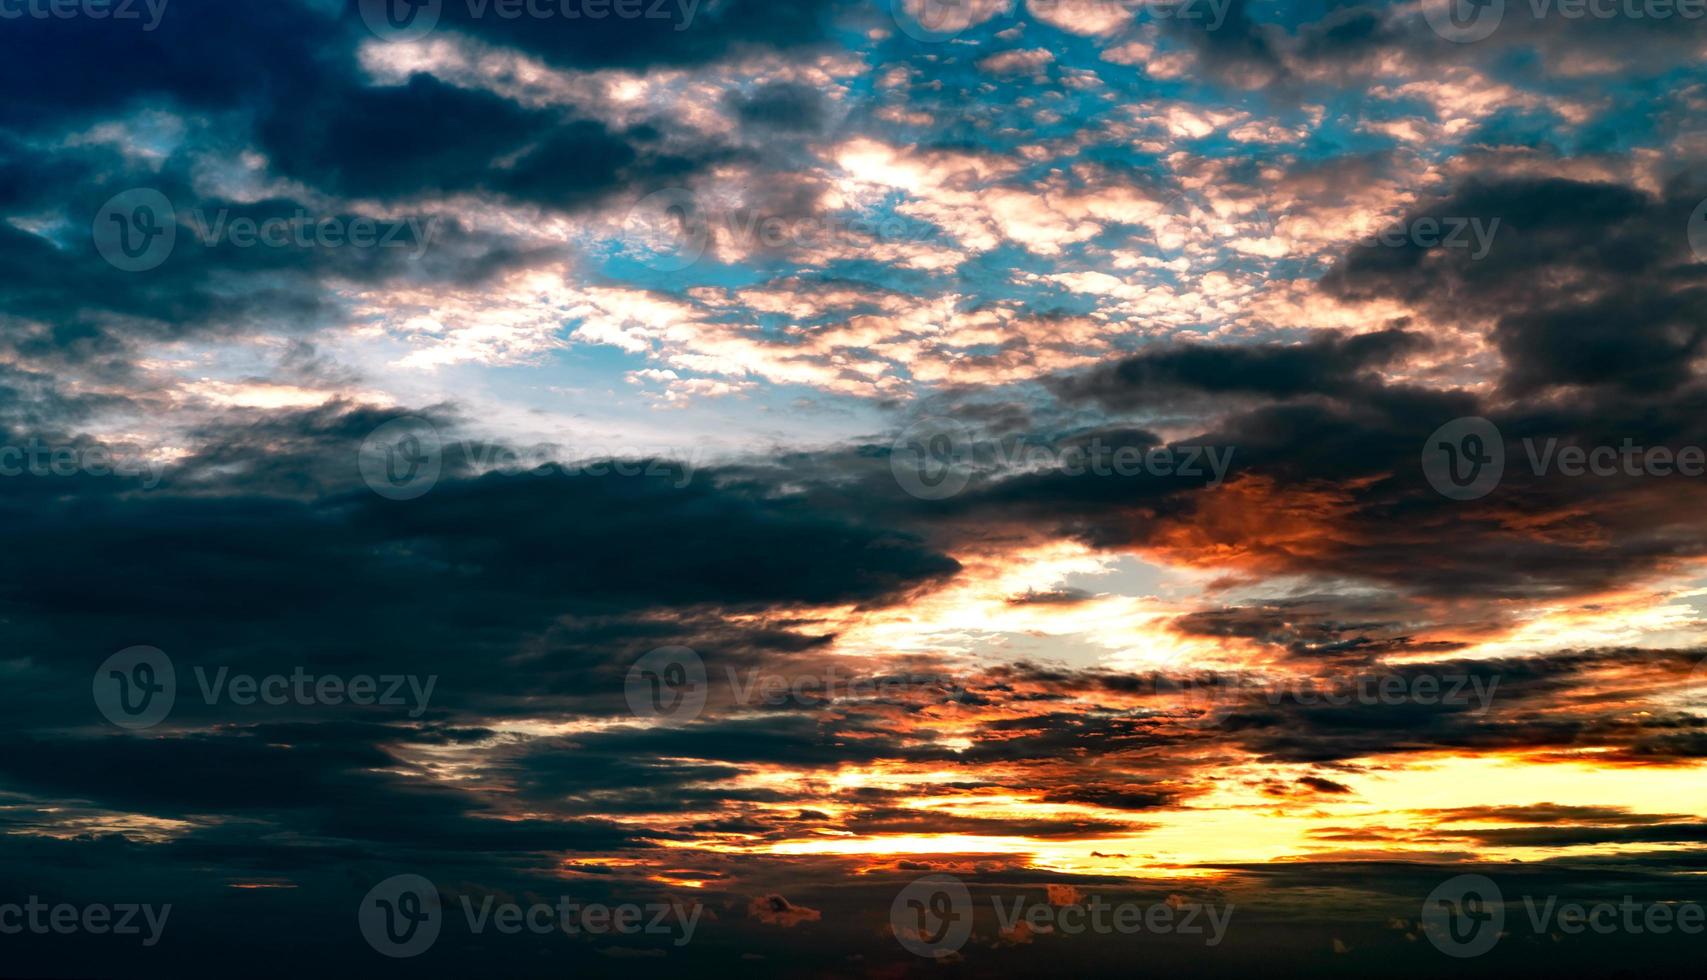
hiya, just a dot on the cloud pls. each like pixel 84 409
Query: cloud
pixel 778 911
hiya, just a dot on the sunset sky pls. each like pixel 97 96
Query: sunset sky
pixel 785 448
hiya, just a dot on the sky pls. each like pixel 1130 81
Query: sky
pixel 852 488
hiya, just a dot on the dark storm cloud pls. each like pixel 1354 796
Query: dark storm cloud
pixel 209 54
pixel 203 55
pixel 1320 785
pixel 780 106
pixel 418 136
pixel 1550 813
pixel 76 308
pixel 1329 452
pixel 1325 627
pixel 261 552
pixel 1052 597
pixel 286 81
pixel 529 595
pixel 1680 833
pixel 1112 797
pixel 1237 48
pixel 1321 440
pixel 426 136
pixel 1588 284
pixel 1504 704
pixel 905 821
pixel 1281 49
pixel 1330 364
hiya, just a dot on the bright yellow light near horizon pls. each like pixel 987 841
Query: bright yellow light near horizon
pixel 1656 617
pixel 1238 823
